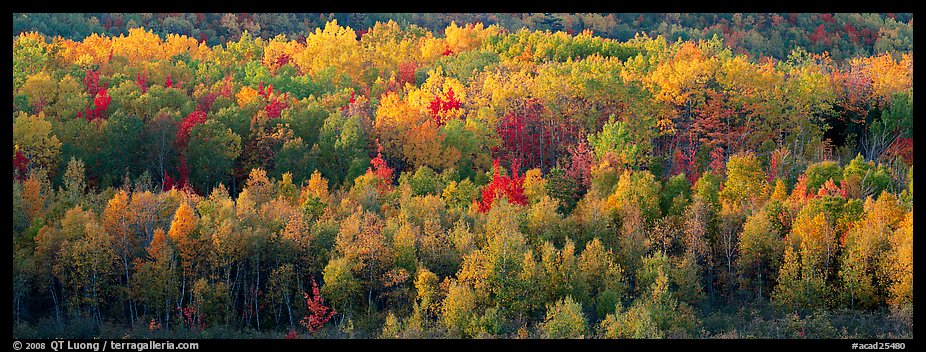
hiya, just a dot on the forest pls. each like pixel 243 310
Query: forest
pixel 612 176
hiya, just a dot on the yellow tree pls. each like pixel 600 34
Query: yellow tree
pixel 361 242
pixel 86 266
pixel 899 264
pixel 33 138
pixel 117 221
pixel 746 185
pixel 154 282
pixel 802 280
pixel 183 232
pixel 336 47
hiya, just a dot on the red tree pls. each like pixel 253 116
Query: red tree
pixel 407 73
pixel 92 82
pixel 820 35
pixel 20 163
pixel 100 104
pixel 439 105
pixel 142 81
pixel 580 165
pixel 274 103
pixel 379 168
pixel 532 140
pixel 319 313
pixel 510 187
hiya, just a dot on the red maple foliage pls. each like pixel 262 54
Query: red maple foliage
pixel 182 140
pixel 191 318
pixel 820 35
pixel 100 104
pixel 439 105
pixel 92 82
pixel 274 103
pixel 773 165
pixel 686 162
pixel 142 81
pixel 528 138
pixel 580 165
pixel 20 163
pixel 381 170
pixel 169 183
pixel 282 59
pixel 319 313
pixel 183 133
pixel 406 73
pixel 510 187
pixel 350 101
pixel 851 33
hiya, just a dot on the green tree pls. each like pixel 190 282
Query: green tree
pixel 746 185
pixel 564 320
pixel 211 154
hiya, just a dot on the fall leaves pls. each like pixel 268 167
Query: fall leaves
pixel 483 183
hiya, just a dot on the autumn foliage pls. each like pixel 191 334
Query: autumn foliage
pixel 319 313
pixel 510 186
pixel 538 175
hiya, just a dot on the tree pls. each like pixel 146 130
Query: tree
pixel 319 314
pixel 802 280
pixel 509 186
pixel 341 286
pixel 117 221
pixel 676 195
pixel 865 246
pixel 636 189
pixel 183 233
pixel 605 277
pixel 761 249
pixel 615 139
pixel 457 309
pixel 901 264
pixel 362 243
pixel 74 182
pixel 212 151
pixel 122 151
pixel 160 132
pixel 33 140
pixel 564 320
pixel 819 173
pixel 86 266
pixel 746 185
pixel 153 281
